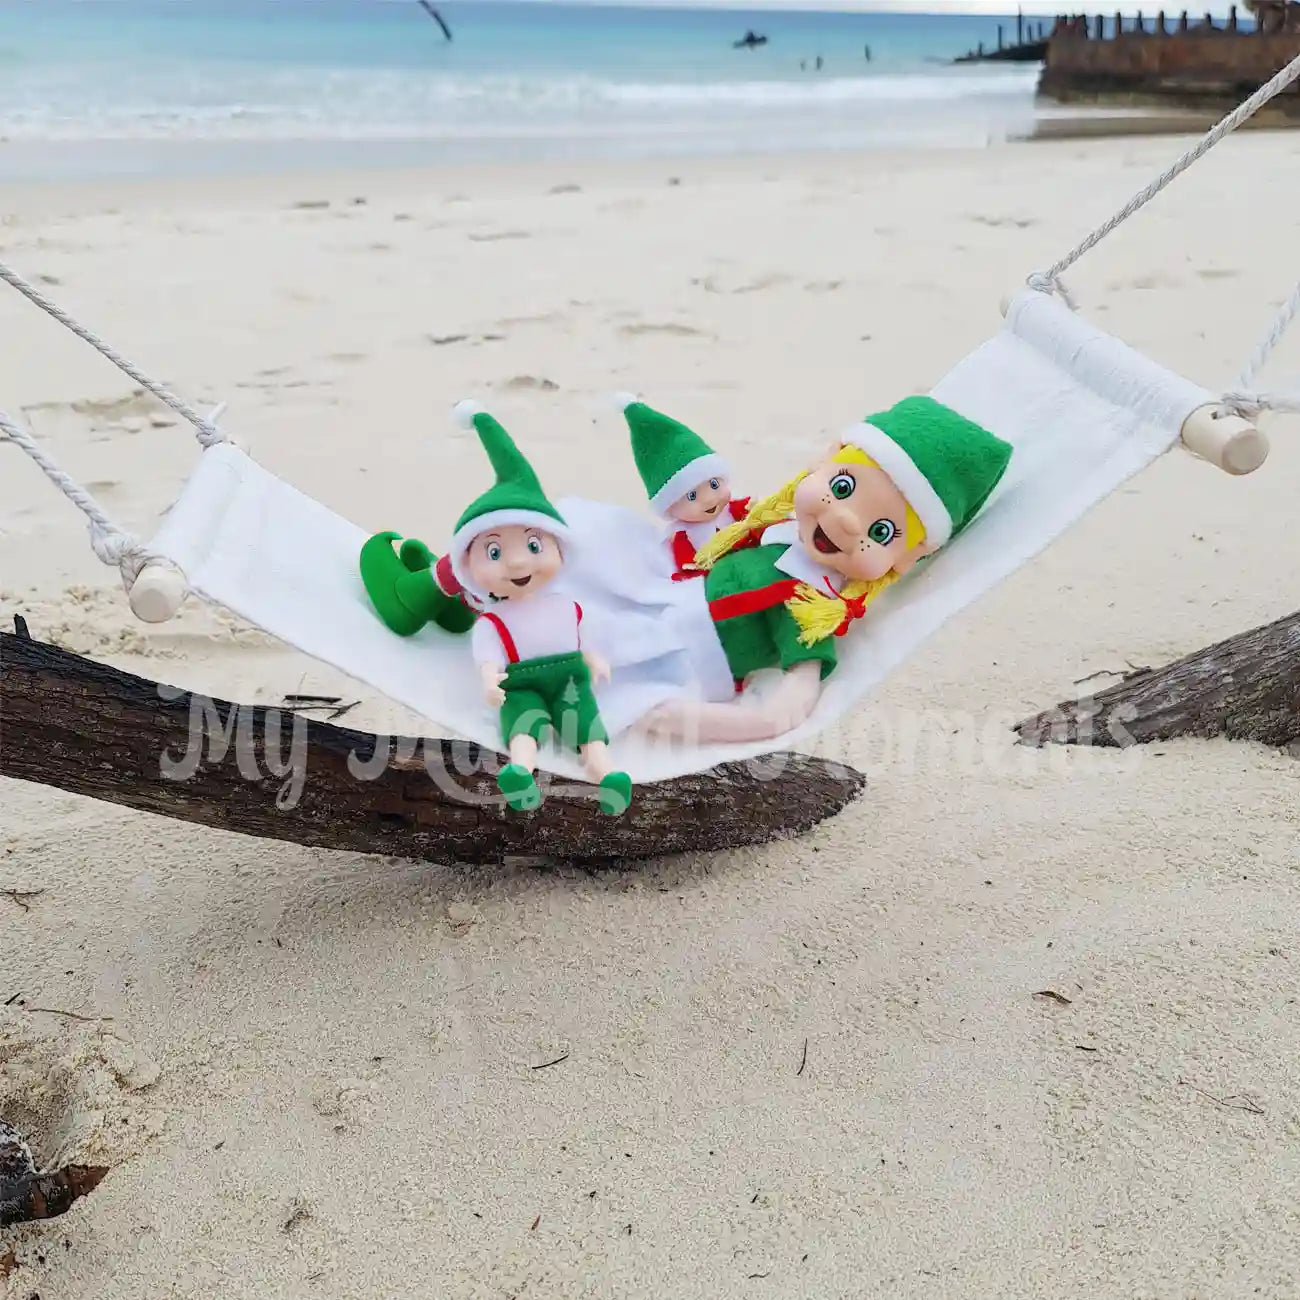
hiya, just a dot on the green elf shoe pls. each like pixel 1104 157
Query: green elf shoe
pixel 516 782
pixel 615 794
pixel 404 591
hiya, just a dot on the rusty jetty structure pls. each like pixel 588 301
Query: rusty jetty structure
pixel 1178 61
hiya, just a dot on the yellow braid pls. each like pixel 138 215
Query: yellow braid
pixel 819 615
pixel 770 510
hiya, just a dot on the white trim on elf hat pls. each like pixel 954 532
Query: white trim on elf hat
pixel 915 487
pixel 689 476
pixel 461 541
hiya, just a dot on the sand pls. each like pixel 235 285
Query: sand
pixel 819 1068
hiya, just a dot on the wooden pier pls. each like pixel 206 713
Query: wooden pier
pixel 1030 46
pixel 1184 61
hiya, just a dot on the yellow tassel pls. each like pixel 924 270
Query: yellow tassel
pixel 820 615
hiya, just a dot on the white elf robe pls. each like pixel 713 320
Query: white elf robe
pixel 683 540
pixel 534 627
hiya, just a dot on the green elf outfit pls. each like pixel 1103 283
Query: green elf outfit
pixel 538 637
pixel 671 460
pixel 944 465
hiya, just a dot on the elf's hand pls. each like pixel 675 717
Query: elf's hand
pixel 493 676
pixel 598 667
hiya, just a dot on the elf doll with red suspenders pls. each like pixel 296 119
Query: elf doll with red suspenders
pixel 496 582
pixel 688 483
pixel 507 549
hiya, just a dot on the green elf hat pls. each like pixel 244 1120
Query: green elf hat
pixel 516 498
pixel 670 458
pixel 944 464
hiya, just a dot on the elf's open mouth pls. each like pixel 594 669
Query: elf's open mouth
pixel 522 582
pixel 713 510
pixel 824 543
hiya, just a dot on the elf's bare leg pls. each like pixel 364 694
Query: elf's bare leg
pixel 743 720
pixel 613 789
pixel 523 750
pixel 595 758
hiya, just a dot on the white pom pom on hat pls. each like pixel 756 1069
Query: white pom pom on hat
pixel 624 400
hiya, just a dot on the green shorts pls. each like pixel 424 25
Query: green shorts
pixel 768 638
pixel 551 693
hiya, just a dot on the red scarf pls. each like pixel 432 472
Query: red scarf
pixel 684 550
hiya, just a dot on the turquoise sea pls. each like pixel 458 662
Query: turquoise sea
pixel 517 79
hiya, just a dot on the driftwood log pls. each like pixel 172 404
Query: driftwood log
pixel 1244 688
pixel 81 726
pixel 26 1194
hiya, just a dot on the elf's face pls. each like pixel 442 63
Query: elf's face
pixel 514 562
pixel 707 500
pixel 851 518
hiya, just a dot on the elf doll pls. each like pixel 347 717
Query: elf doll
pixel 893 490
pixel 688 483
pixel 506 551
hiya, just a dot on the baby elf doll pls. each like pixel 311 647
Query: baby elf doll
pixel 892 491
pixel 506 551
pixel 688 483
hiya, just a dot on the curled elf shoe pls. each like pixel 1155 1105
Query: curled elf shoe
pixel 615 794
pixel 404 588
pixel 520 789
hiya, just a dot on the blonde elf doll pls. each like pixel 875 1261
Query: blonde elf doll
pixel 892 491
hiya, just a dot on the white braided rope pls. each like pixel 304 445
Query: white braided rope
pixel 205 429
pixel 110 543
pixel 1049 281
pixel 1241 400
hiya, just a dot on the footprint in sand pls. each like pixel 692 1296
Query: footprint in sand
pixel 1156 280
pixel 1020 223
pixel 495 236
pixel 667 327
pixel 1217 273
pixel 711 284
pixel 534 383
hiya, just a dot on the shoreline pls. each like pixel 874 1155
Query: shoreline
pixel 113 160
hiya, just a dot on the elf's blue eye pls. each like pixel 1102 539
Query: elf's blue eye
pixel 883 531
pixel 842 486
pixel 691 495
pixel 493 552
pixel 535 545
pixel 714 484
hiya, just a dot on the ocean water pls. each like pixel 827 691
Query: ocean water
pixel 517 79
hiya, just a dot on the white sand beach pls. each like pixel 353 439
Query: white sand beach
pixel 312 1072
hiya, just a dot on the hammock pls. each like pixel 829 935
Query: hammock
pixel 1082 411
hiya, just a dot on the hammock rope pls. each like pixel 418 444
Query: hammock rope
pixel 1240 399
pixel 205 428
pixel 1050 280
pixel 111 544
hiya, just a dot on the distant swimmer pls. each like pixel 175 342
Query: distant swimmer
pixel 818 64
pixel 866 49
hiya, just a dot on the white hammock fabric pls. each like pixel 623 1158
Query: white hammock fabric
pixel 1083 411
